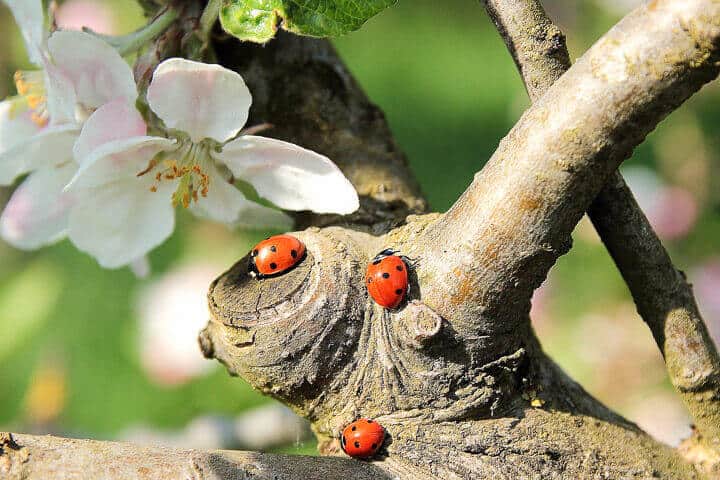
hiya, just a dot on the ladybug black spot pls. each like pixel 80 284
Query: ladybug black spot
pixel 374 446
pixel 273 265
pixel 273 248
pixel 386 275
pixel 255 252
pixel 293 253
pixel 357 444
pixel 369 280
pixel 398 291
pixel 353 428
pixel 399 268
pixel 369 421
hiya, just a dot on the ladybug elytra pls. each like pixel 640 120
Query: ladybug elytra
pixel 362 438
pixel 275 255
pixel 387 279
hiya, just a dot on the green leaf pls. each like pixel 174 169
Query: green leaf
pixel 257 20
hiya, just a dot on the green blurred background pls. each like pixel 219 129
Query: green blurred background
pixel 102 354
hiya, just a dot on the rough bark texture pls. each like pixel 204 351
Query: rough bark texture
pixel 25 457
pixel 535 43
pixel 475 397
pixel 661 293
pixel 455 374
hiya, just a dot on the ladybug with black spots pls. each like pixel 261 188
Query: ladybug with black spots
pixel 275 255
pixel 387 279
pixel 362 438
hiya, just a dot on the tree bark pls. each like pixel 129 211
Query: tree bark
pixel 303 89
pixel 663 297
pixel 459 364
pixel 30 457
pixel 455 374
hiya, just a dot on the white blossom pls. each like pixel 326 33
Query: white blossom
pixel 77 74
pixel 129 183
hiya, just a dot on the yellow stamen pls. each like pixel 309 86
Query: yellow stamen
pixel 39 119
pixel 193 182
pixel 23 88
pixel 34 101
pixel 31 88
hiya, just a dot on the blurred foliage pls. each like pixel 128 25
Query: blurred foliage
pixel 450 92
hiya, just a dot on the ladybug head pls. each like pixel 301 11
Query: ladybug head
pixel 252 268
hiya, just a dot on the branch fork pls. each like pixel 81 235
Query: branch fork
pixel 456 376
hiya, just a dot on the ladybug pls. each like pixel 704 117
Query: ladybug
pixel 387 279
pixel 275 255
pixel 362 438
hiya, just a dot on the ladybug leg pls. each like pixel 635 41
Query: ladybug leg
pixel 410 262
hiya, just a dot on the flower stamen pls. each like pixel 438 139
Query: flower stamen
pixel 189 171
pixel 31 89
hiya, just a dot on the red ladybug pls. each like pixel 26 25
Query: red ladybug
pixel 387 279
pixel 362 438
pixel 275 255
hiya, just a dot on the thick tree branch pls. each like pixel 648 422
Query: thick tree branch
pixel 512 223
pixel 302 87
pixel 663 297
pixel 30 457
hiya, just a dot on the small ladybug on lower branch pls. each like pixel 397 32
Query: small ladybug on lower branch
pixel 362 438
pixel 275 255
pixel 387 279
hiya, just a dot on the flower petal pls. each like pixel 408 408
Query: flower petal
pixel 122 221
pixel 116 120
pixel 37 213
pixel 16 126
pixel 290 176
pixel 118 160
pixel 61 99
pixel 51 147
pixel 98 73
pixel 31 20
pixel 205 101
pixel 226 204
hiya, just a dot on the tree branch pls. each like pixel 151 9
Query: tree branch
pixel 663 297
pixel 455 375
pixel 301 86
pixel 30 457
pixel 512 223
pixel 665 301
pixel 535 43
